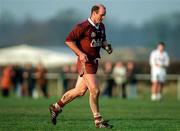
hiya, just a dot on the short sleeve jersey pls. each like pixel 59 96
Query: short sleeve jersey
pixel 88 38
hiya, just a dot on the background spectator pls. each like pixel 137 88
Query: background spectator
pixel 63 77
pixel 119 73
pixel 29 79
pixel 131 80
pixel 72 80
pixel 17 80
pixel 6 80
pixel 109 81
pixel 41 79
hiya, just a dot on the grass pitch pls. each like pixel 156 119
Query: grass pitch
pixel 126 115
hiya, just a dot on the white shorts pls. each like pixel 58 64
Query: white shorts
pixel 158 77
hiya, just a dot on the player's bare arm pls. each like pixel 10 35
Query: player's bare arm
pixel 82 56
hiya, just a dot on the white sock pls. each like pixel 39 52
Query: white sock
pixel 158 97
pixel 97 115
pixel 153 97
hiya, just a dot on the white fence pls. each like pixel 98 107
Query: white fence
pixel 144 77
pixel 169 77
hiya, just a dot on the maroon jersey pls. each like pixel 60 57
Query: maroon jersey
pixel 88 38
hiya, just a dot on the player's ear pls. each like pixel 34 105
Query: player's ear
pixel 93 13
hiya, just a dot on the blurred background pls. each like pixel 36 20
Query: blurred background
pixel 33 52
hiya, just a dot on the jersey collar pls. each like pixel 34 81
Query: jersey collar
pixel 92 23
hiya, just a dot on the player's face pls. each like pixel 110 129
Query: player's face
pixel 100 15
pixel 161 48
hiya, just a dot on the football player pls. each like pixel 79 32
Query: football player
pixel 159 61
pixel 85 40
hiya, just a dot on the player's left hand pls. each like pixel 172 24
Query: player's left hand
pixel 108 48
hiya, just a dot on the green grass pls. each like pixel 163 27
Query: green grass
pixel 126 115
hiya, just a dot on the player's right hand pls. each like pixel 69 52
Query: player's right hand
pixel 83 57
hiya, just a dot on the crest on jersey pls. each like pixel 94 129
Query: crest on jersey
pixel 93 34
pixel 96 43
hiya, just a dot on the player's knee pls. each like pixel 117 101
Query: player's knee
pixel 95 91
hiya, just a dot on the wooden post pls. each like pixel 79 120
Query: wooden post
pixel 178 87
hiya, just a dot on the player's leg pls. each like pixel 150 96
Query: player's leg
pixel 124 95
pixel 154 90
pixel 79 90
pixel 94 90
pixel 159 90
pixel 162 77
pixel 154 86
pixel 161 87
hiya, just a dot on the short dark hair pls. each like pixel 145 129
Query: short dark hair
pixel 161 43
pixel 95 8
